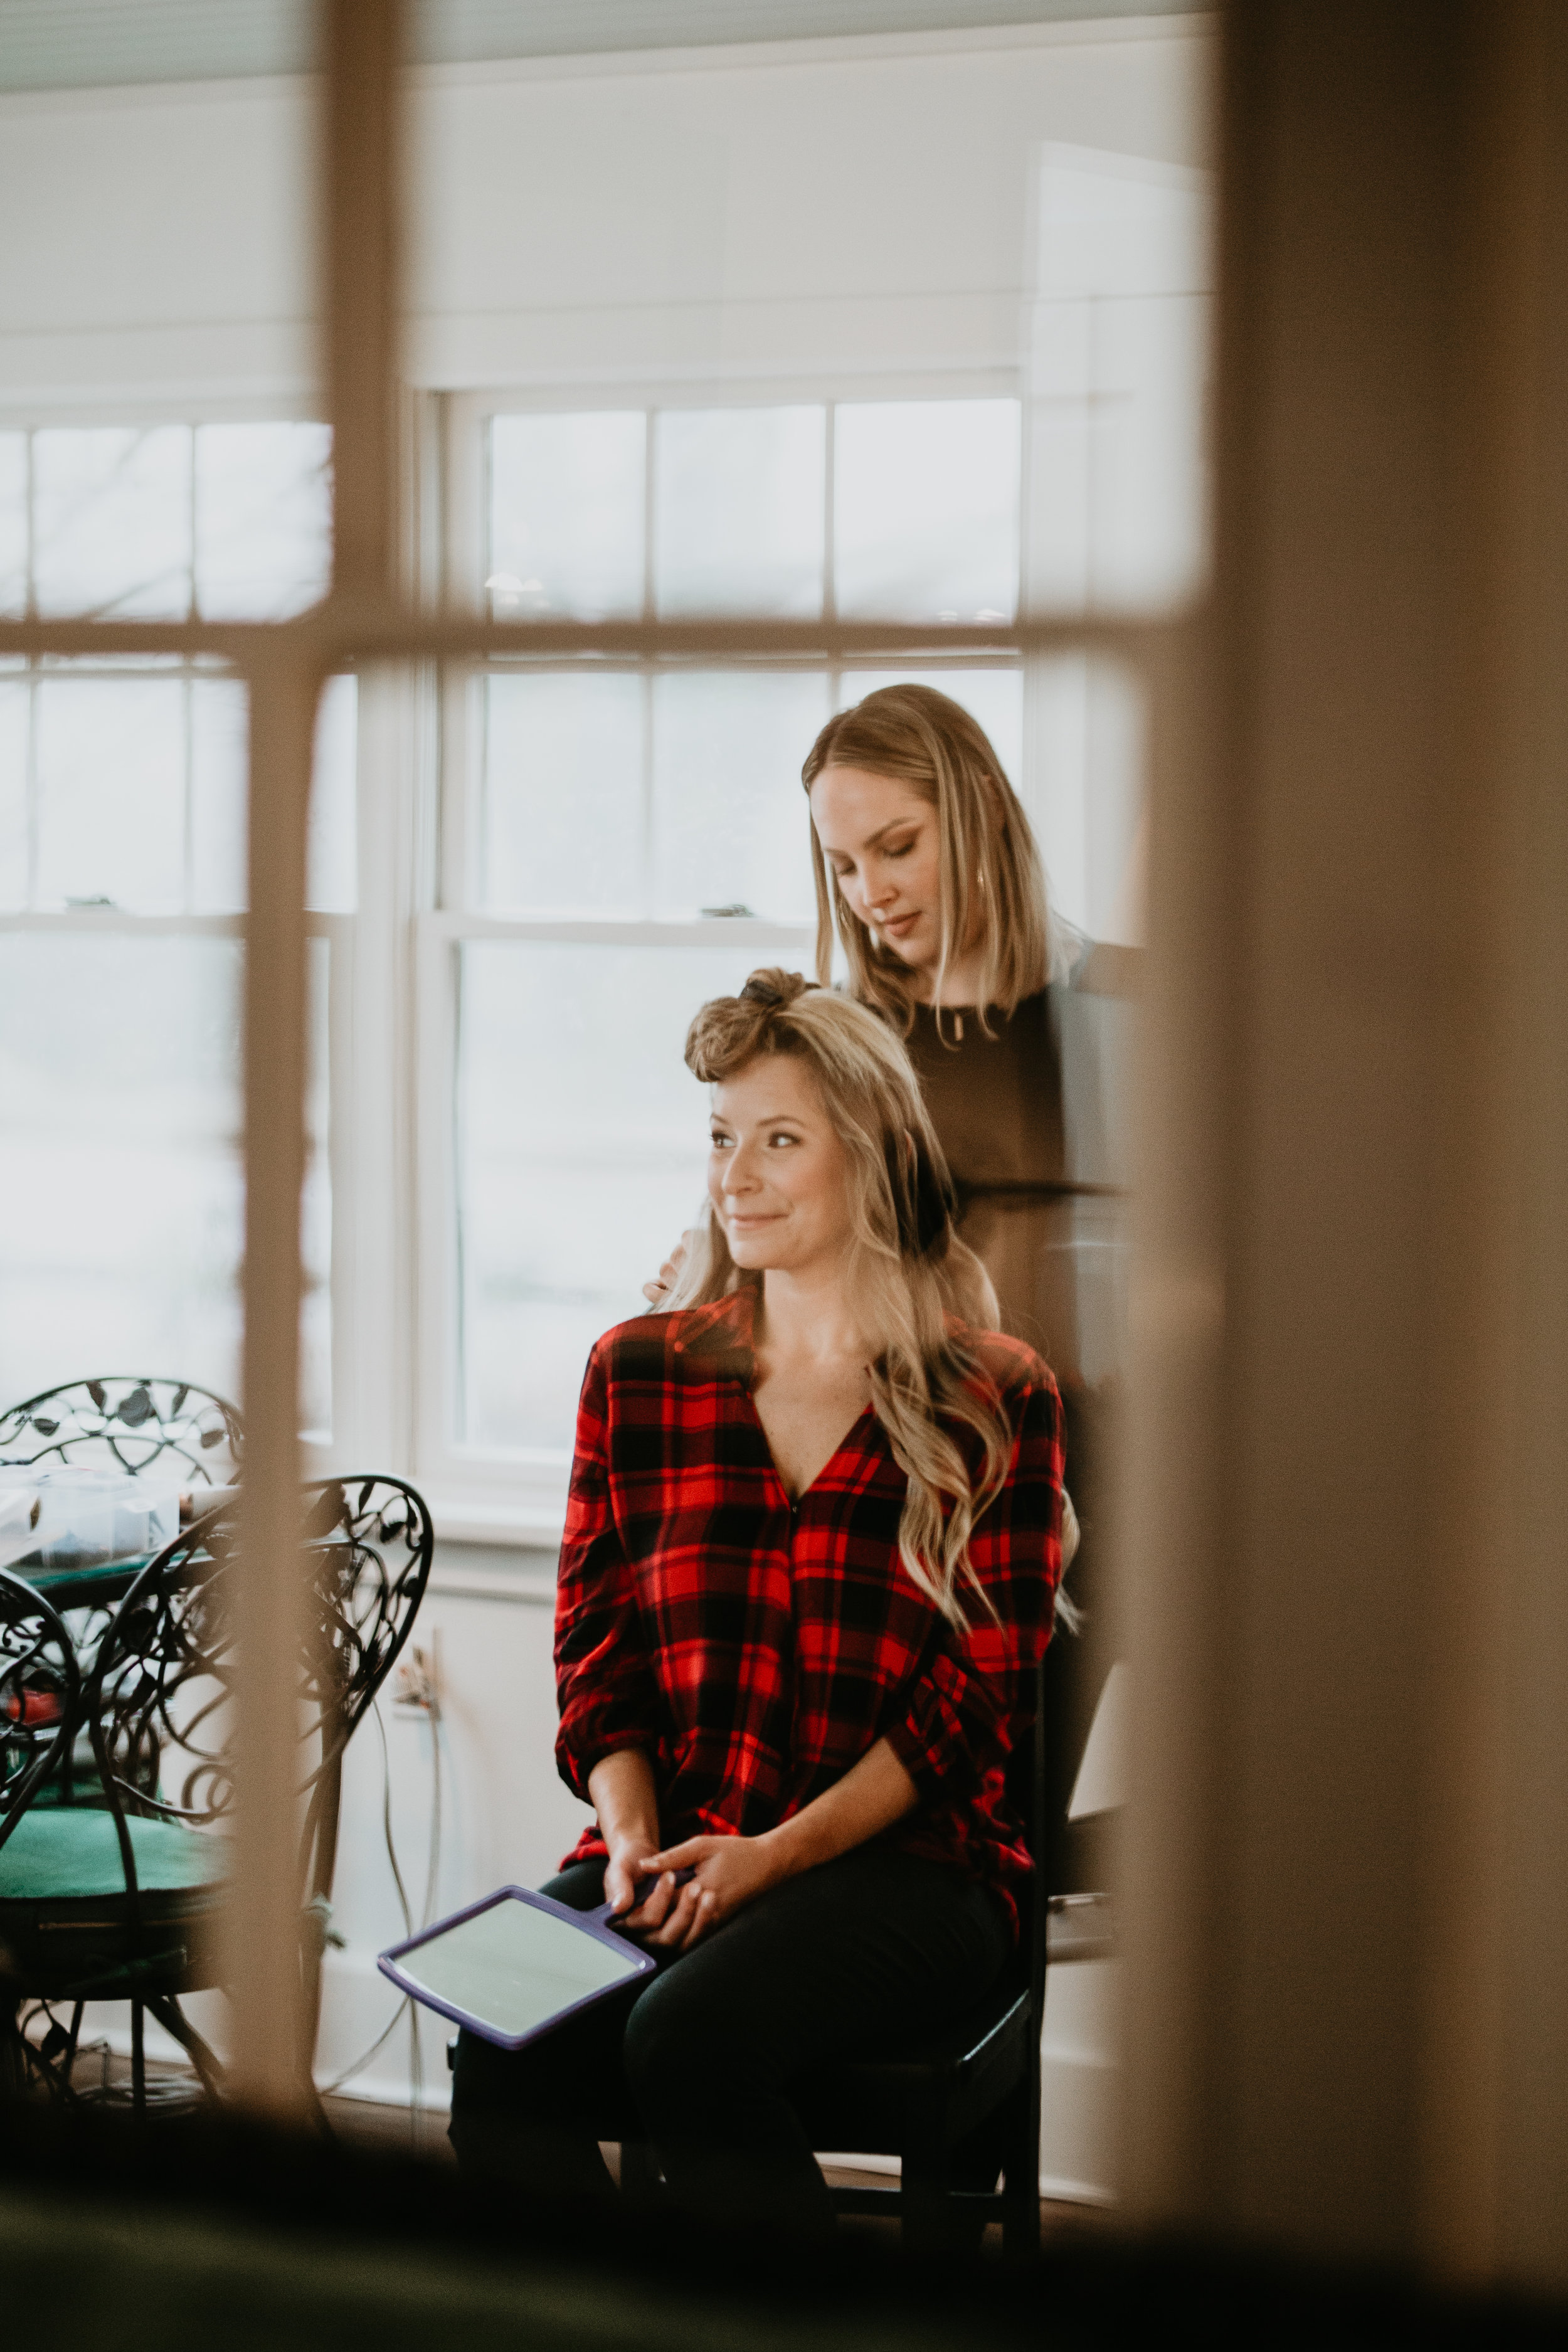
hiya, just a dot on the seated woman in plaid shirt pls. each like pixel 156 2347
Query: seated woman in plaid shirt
pixel 810 1560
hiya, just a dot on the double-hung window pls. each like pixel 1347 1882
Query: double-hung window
pixel 122 888
pixel 623 838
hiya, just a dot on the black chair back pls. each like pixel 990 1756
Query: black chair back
pixel 126 1422
pixel 1027 1799
pixel 1048 1748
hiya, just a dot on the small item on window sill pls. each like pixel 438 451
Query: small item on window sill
pixel 735 913
pixel 90 902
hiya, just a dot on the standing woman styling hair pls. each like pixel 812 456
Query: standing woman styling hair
pixel 928 879
pixel 811 1554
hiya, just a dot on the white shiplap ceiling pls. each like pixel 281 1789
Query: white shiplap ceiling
pixel 76 44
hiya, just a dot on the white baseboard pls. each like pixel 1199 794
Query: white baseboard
pixel 1075 2192
pixel 1060 2190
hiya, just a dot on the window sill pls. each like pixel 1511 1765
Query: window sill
pixel 527 1526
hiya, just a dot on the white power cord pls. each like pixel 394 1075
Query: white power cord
pixel 426 1699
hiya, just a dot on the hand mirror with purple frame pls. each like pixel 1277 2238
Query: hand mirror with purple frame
pixel 516 1964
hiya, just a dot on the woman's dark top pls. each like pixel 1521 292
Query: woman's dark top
pixel 754 1651
pixel 1027 1118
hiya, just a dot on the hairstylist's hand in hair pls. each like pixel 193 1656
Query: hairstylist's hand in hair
pixel 654 1291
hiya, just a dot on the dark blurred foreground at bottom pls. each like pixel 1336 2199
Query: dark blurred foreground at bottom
pixel 196 2231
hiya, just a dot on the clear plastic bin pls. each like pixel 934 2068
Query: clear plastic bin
pixel 21 1508
pixel 86 1517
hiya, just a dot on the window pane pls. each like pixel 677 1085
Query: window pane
pixel 1088 800
pixel 564 793
pixel 121 1158
pixel 581 1150
pixel 112 516
pixel 12 522
pixel 12 792
pixel 219 758
pixel 993 696
pixel 331 885
pixel 263 520
pixel 1116 370
pixel 566 514
pixel 738 512
pixel 111 781
pixel 925 512
pixel 121 1164
pixel 218 764
pixel 315 1206
pixel 1148 492
pixel 731 821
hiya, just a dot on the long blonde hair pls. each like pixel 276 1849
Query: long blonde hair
pixel 992 883
pixel 901 1214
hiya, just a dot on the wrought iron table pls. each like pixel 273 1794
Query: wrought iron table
pixel 97 1587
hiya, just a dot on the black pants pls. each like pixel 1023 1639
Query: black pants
pixel 859 1957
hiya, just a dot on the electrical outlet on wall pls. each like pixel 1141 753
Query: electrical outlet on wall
pixel 416 1687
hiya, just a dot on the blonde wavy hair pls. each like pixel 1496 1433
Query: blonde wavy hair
pixel 903 1260
pixel 992 883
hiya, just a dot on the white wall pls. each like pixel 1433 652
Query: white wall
pixel 860 207
pixel 856 209
pixel 158 250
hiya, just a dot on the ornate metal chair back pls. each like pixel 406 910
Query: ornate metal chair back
pixel 130 1422
pixel 39 1695
pixel 159 1702
pixel 369 1542
pixel 368 1547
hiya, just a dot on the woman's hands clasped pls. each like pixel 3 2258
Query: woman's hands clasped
pixel 626 1853
pixel 728 1872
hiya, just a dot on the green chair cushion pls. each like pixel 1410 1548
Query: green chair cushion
pixel 72 1853
pixel 86 1788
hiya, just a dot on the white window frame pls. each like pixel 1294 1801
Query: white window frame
pixel 480 1495
pixel 322 1452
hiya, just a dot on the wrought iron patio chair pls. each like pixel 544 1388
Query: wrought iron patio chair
pixel 137 1886
pixel 142 1426
pixel 39 1705
pixel 129 1421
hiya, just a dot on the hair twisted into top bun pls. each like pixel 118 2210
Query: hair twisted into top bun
pixel 729 1030
pixel 773 987
pixel 903 1250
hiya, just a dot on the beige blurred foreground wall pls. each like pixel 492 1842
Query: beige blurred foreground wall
pixel 1348 2021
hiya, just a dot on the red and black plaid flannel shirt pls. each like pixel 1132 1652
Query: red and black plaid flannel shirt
pixel 754 1651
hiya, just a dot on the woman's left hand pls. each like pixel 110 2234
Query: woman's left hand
pixel 728 1873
